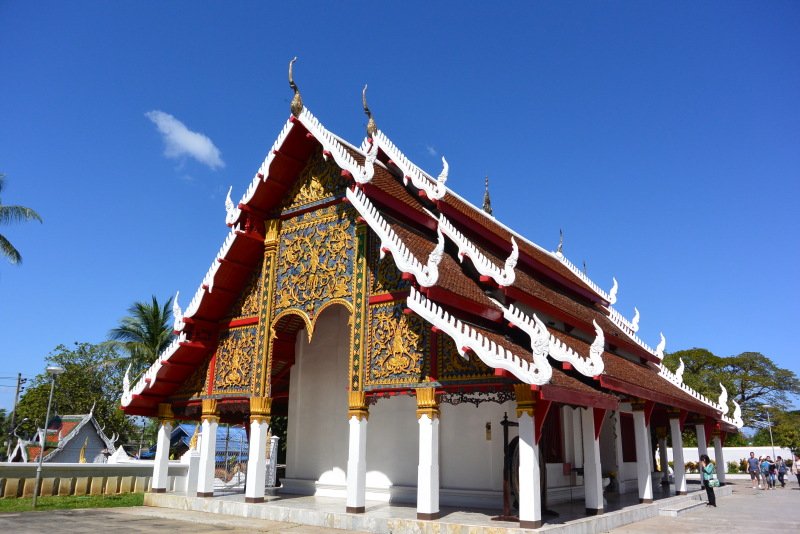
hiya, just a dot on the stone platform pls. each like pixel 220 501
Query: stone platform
pixel 385 518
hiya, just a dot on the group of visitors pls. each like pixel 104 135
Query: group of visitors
pixel 765 473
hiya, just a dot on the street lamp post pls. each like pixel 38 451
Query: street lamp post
pixel 53 371
pixel 769 424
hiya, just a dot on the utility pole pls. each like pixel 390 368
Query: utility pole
pixel 20 381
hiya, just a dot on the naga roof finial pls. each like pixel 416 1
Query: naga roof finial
pixel 487 202
pixel 560 249
pixel 371 126
pixel 297 101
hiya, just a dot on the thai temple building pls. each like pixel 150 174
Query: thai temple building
pixel 423 352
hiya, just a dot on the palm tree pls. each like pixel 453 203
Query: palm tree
pixel 9 214
pixel 145 332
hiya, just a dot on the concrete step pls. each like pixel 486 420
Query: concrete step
pixel 676 509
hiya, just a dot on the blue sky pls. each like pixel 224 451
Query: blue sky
pixel 663 138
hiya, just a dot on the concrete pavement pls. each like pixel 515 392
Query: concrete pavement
pixel 144 519
pixel 746 511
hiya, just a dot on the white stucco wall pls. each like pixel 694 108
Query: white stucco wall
pixel 317 439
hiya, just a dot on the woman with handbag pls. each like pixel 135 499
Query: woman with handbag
pixel 709 479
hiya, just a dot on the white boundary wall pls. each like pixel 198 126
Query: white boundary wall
pixel 731 454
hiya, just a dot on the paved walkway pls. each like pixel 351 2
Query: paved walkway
pixel 746 511
pixel 144 519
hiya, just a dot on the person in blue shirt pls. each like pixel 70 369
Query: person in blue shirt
pixel 768 473
pixel 754 468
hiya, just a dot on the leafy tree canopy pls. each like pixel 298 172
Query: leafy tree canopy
pixel 785 431
pixel 92 378
pixel 10 214
pixel 144 333
pixel 751 379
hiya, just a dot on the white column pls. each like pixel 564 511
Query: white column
pixel 357 465
pixel 428 467
pixel 530 497
pixel 191 459
pixel 663 457
pixel 678 467
pixel 592 474
pixel 718 457
pixel 208 449
pixel 702 444
pixel 161 464
pixel 643 468
pixel 257 459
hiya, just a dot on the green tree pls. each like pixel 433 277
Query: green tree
pixel 751 379
pixel 144 332
pixel 92 380
pixel 785 431
pixel 10 214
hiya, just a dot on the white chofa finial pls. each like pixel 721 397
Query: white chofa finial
pixel 612 295
pixel 126 381
pixel 661 346
pixel 441 179
pixel 737 414
pixel 177 314
pixel 679 370
pixel 635 320
pixel 723 399
pixel 598 345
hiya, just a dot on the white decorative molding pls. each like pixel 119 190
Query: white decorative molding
pixel 679 370
pixel 177 314
pixel 426 275
pixel 591 365
pixel 466 338
pixel 484 266
pixel 434 189
pixel 335 148
pixel 126 381
pixel 151 375
pixel 661 346
pixel 723 400
pixel 677 380
pixel 608 297
pixel 612 295
pixel 629 328
pixel 635 320
pixel 231 213
pixel 263 172
pixel 737 415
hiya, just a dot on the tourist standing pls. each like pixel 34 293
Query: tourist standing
pixel 754 468
pixel 708 475
pixel 767 470
pixel 796 468
pixel 780 466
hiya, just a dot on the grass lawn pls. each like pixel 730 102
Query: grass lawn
pixel 72 501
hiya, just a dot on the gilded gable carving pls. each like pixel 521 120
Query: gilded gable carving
pixel 248 301
pixel 452 367
pixel 197 384
pixel 384 275
pixel 315 261
pixel 398 344
pixel 320 180
pixel 236 353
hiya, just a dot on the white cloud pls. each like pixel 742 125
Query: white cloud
pixel 432 151
pixel 180 141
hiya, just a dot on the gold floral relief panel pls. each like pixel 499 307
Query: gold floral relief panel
pixel 315 260
pixel 384 277
pixel 455 368
pixel 320 181
pixel 247 303
pixel 236 355
pixel 398 346
pixel 197 383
